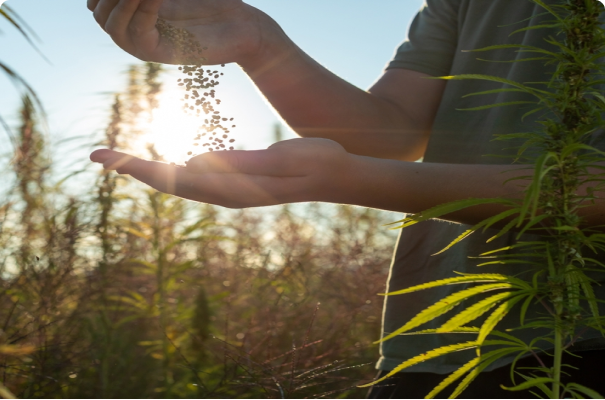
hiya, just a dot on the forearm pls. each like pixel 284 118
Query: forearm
pixel 414 187
pixel 317 103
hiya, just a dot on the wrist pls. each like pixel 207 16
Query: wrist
pixel 377 182
pixel 274 48
pixel 349 183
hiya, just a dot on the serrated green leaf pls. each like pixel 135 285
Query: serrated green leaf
pixel 445 305
pixel 493 91
pixel 495 317
pixel 522 49
pixel 462 329
pixel 448 208
pixel 506 228
pixel 518 245
pixel 518 60
pixel 524 88
pixel 542 386
pixel 527 114
pixel 466 278
pixel 453 377
pixel 532 193
pixel 485 224
pixel 590 296
pixel 508 261
pixel 473 312
pixel 534 27
pixel 524 308
pixel 486 360
pixel 424 357
pixel 550 10
pixel 504 104
pixel 460 238
pixel 511 340
pixel 528 384
pixel 584 390
pixel 531 223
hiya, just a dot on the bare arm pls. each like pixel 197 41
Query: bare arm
pixel 391 120
pixel 301 170
pixel 374 134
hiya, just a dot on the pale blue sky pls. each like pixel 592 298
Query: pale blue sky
pixel 353 38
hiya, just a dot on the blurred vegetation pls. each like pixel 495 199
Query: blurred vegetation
pixel 131 293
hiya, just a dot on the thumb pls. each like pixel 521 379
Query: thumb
pixel 111 160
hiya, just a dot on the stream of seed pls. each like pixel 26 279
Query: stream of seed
pixel 200 98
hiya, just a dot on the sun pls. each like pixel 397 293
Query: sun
pixel 169 129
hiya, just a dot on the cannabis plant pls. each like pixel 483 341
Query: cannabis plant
pixel 562 253
pixel 7 14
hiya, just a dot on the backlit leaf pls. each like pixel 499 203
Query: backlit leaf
pixel 473 312
pixel 424 357
pixel 445 305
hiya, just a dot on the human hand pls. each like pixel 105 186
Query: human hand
pixel 290 171
pixel 231 30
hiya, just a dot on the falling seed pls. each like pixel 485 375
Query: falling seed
pixel 189 52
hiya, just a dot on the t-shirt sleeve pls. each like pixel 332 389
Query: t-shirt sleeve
pixel 432 39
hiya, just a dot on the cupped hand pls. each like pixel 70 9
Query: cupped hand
pixel 291 171
pixel 230 30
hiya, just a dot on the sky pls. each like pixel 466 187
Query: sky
pixel 352 38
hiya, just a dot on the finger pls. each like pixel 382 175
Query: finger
pixel 270 162
pixel 228 190
pixel 159 176
pixel 103 155
pixel 102 10
pixel 118 21
pixel 143 24
pixel 91 4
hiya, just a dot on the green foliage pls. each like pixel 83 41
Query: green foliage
pixel 7 14
pixel 126 292
pixel 567 178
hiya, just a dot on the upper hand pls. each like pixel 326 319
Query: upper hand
pixel 230 29
pixel 287 172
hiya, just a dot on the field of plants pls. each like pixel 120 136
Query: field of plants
pixel 127 292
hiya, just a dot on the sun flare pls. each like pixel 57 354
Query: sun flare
pixel 169 129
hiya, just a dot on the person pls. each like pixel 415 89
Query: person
pixel 360 147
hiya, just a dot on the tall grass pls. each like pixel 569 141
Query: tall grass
pixel 126 292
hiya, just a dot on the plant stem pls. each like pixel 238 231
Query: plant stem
pixel 156 202
pixel 558 356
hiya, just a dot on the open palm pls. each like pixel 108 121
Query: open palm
pixel 287 172
pixel 228 29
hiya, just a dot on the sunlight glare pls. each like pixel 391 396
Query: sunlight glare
pixel 170 130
